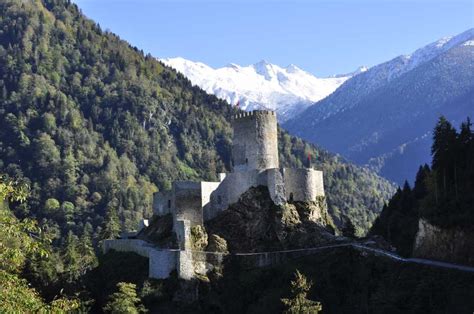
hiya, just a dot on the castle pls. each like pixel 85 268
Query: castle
pixel 254 163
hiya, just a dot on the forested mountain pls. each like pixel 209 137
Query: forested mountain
pixel 443 194
pixel 95 126
pixel 383 117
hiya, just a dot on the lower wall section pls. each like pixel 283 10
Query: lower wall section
pixel 190 264
pixel 160 262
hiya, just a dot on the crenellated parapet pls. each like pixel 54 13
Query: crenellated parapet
pixel 254 113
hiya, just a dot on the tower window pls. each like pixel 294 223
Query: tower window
pixel 246 161
pixel 291 197
pixel 169 204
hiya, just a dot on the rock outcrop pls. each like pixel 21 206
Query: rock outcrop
pixel 256 224
pixel 454 245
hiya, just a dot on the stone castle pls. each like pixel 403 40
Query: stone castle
pixel 254 163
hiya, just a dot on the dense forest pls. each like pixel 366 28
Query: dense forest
pixel 94 127
pixel 443 194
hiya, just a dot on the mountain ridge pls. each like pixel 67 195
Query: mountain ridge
pixel 392 104
pixel 288 90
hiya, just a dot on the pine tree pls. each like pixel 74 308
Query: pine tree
pixel 71 257
pixel 111 227
pixel 125 300
pixel 443 152
pixel 86 249
pixel 298 303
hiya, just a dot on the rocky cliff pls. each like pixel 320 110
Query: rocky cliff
pixel 256 224
pixel 453 245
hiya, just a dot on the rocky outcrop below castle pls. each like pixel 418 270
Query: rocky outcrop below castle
pixel 256 224
pixel 453 245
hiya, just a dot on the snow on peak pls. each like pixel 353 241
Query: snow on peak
pixel 359 70
pixel 262 85
pixel 436 48
pixel 469 43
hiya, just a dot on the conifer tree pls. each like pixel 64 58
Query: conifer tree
pixel 86 249
pixel 125 300
pixel 298 303
pixel 71 257
pixel 111 227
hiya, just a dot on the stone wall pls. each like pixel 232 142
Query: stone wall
pixel 229 191
pixel 206 190
pixel 182 229
pixel 187 201
pixel 255 141
pixel 303 184
pixel 160 262
pixel 162 202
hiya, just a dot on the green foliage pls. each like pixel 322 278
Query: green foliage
pixel 347 282
pixel 111 228
pixel 125 300
pixel 88 119
pixel 51 206
pixel 444 194
pixel 349 229
pixel 19 241
pixel 298 303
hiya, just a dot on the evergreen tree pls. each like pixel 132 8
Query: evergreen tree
pixel 111 226
pixel 349 229
pixel 71 257
pixel 298 303
pixel 125 300
pixel 86 249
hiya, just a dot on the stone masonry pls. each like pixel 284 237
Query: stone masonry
pixel 254 163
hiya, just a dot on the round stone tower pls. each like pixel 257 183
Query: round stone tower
pixel 255 142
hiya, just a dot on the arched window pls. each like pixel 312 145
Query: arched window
pixel 246 161
pixel 291 197
pixel 169 204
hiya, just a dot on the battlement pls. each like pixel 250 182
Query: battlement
pixel 254 113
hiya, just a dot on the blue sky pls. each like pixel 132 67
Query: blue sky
pixel 323 37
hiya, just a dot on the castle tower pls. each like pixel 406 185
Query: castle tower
pixel 255 142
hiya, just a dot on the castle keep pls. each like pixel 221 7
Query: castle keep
pixel 254 163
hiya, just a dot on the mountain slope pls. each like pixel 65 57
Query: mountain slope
pixel 262 85
pixel 96 126
pixel 383 117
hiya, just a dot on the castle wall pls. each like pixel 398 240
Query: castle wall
pixel 185 265
pixel 206 190
pixel 187 202
pixel 162 202
pixel 182 229
pixel 161 263
pixel 229 191
pixel 303 184
pixel 139 247
pixel 255 141
pixel 273 179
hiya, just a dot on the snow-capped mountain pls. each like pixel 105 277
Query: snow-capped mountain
pixel 384 116
pixel 287 90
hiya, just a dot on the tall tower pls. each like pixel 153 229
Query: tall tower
pixel 255 142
